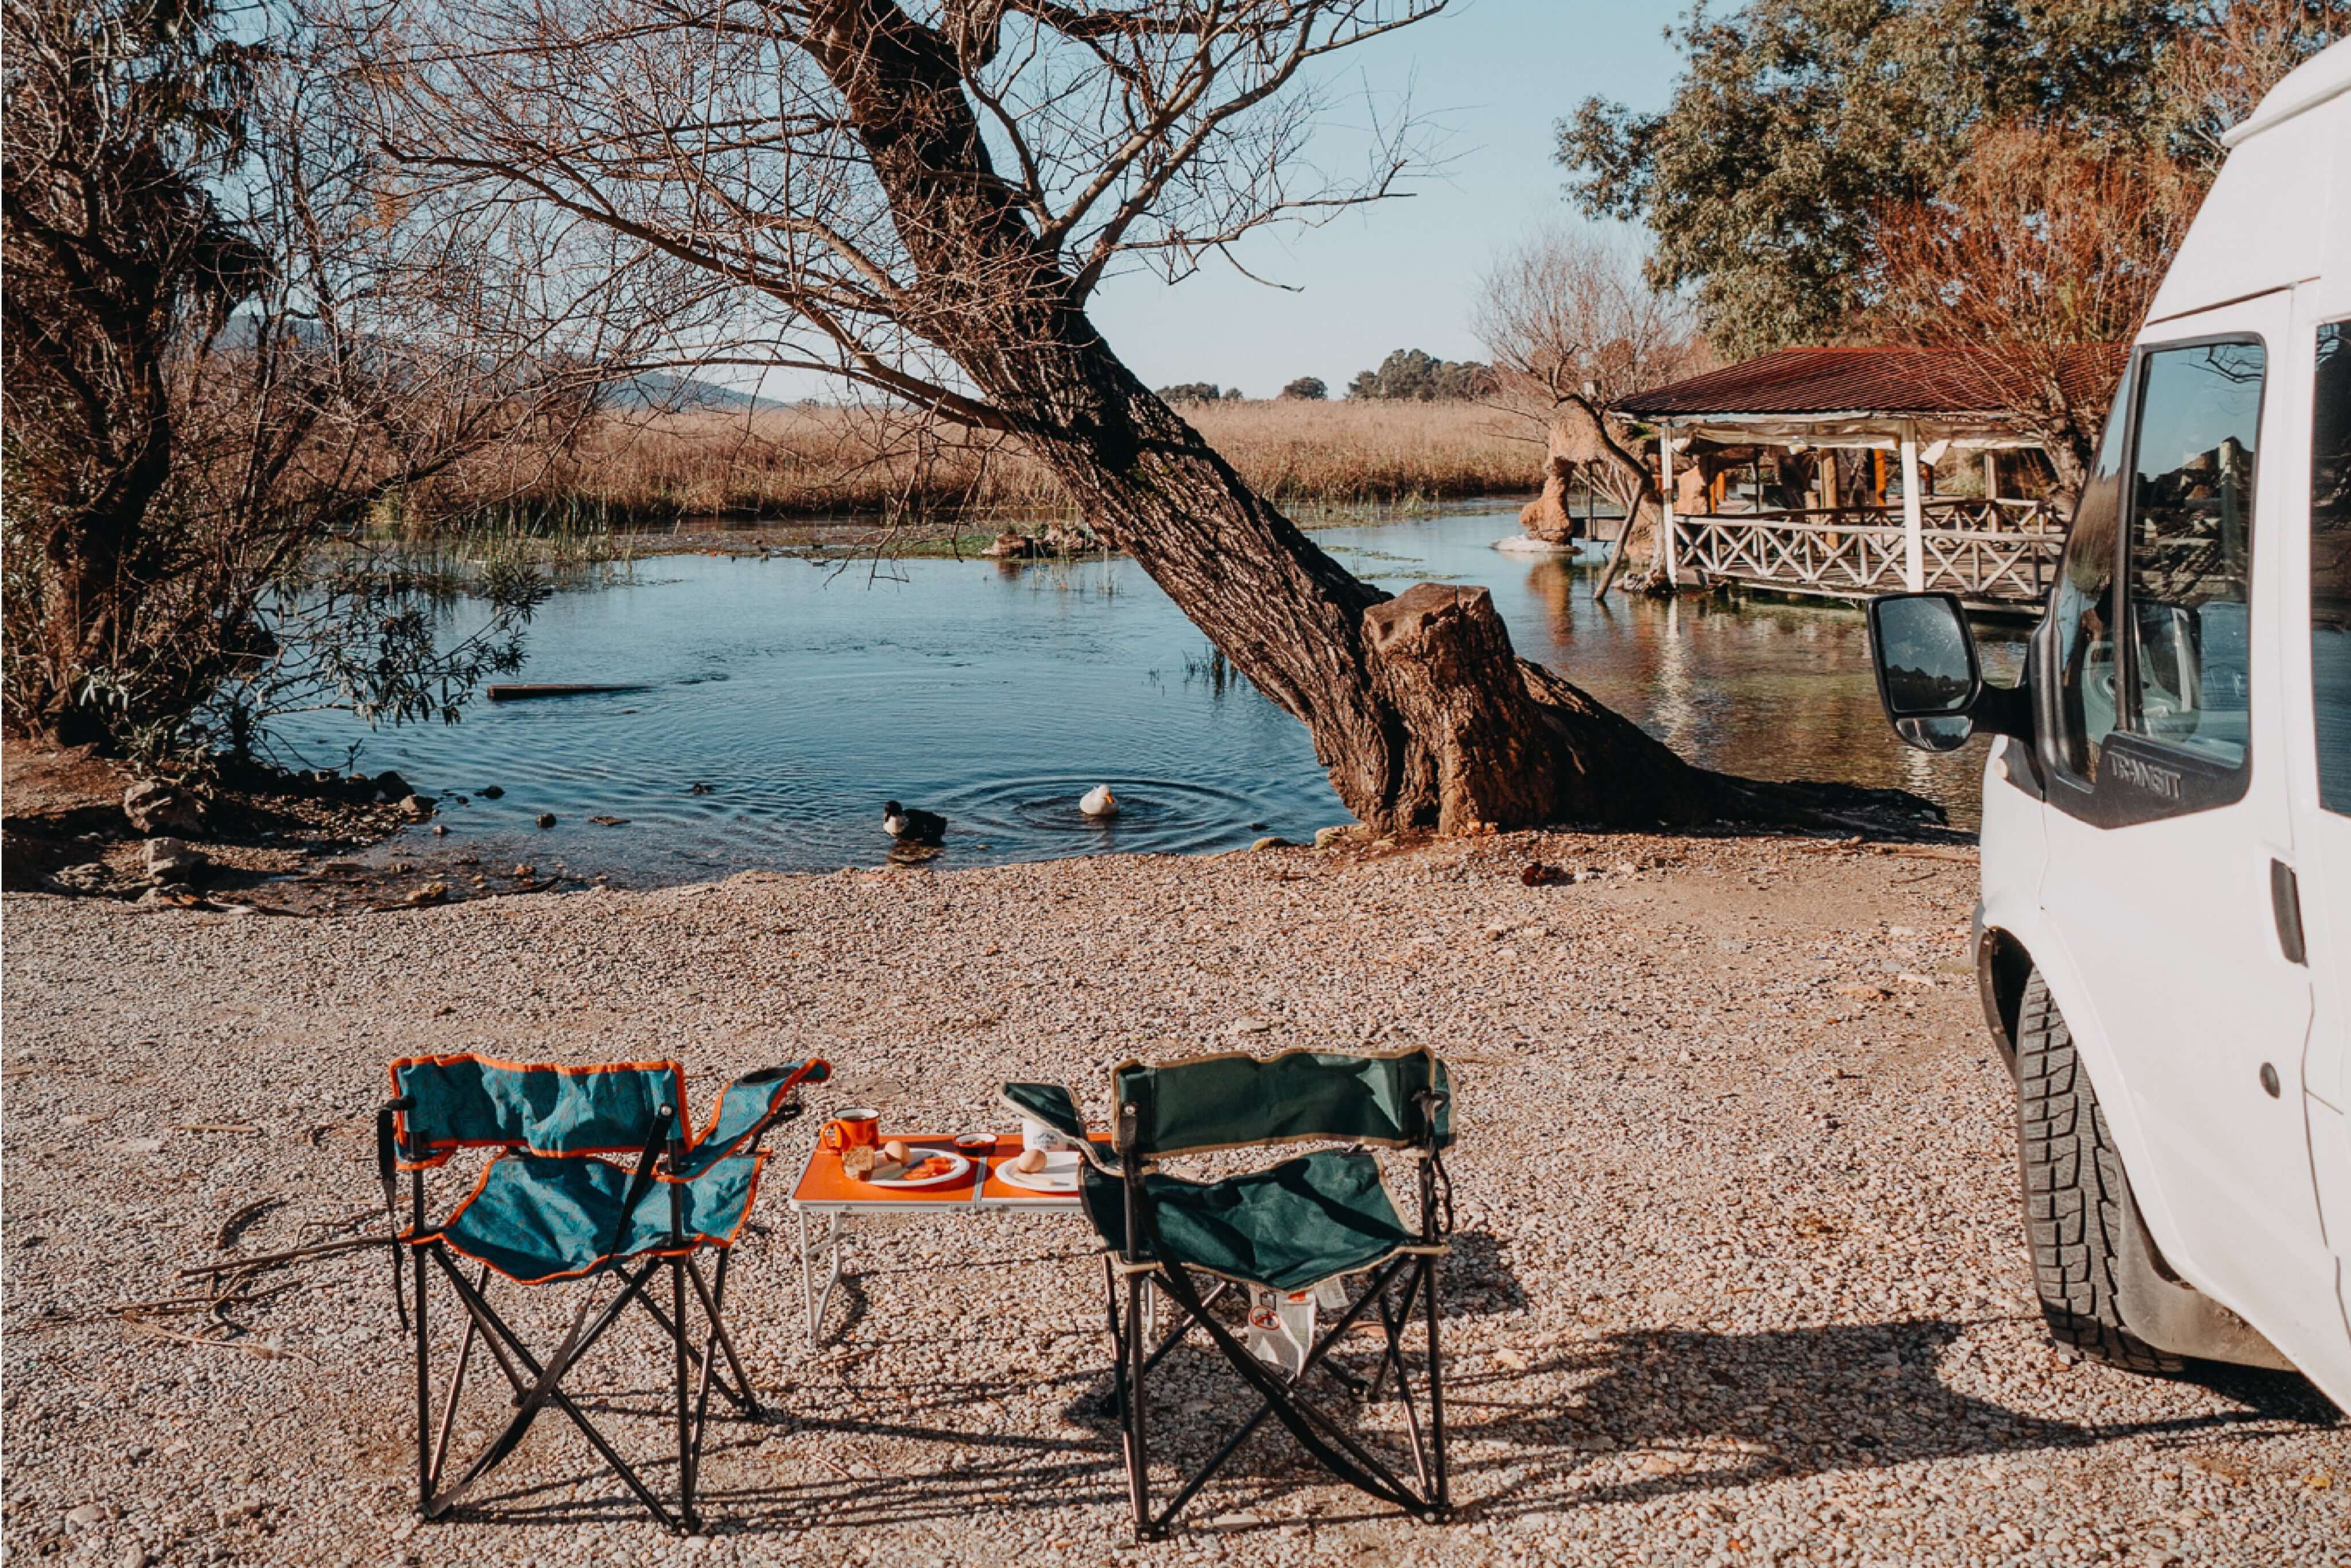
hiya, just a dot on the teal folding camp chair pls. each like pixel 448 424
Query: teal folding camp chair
pixel 1322 1216
pixel 551 1206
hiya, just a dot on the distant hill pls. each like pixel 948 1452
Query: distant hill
pixel 660 391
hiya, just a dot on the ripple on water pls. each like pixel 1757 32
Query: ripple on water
pixel 1155 816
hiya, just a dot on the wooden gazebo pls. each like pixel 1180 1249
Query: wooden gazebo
pixel 1782 472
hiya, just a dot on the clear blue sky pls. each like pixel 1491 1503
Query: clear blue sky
pixel 1495 74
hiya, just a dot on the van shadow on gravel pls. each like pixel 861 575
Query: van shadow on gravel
pixel 1723 1409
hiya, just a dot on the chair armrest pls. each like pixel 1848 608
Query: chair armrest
pixel 749 1105
pixel 1052 1105
pixel 387 1150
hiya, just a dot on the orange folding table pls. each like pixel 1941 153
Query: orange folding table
pixel 833 1196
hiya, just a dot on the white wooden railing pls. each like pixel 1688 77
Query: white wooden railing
pixel 1991 550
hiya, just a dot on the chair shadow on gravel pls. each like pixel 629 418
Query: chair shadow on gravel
pixel 1700 1411
pixel 1477 1280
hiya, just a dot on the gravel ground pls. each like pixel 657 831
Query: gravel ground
pixel 1739 1277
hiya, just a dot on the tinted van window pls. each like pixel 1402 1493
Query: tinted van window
pixel 2083 604
pixel 2191 550
pixel 2330 565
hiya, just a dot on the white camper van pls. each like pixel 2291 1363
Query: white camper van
pixel 2164 942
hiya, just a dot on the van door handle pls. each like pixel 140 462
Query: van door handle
pixel 2285 905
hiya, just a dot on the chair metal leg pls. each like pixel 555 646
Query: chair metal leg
pixel 1176 1335
pixel 1436 1393
pixel 1138 1453
pixel 450 1394
pixel 545 1389
pixel 1117 1345
pixel 1394 1324
pixel 1314 1358
pixel 684 1426
pixel 424 1466
pixel 714 1296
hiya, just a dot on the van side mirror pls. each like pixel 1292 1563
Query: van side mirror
pixel 1929 676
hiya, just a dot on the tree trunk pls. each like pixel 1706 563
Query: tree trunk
pixel 1417 707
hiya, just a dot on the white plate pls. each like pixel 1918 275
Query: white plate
pixel 961 1169
pixel 1059 1177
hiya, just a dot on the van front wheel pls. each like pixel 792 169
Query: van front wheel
pixel 2077 1197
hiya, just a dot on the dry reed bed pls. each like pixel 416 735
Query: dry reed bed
pixel 812 460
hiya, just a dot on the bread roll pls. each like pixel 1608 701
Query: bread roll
pixel 896 1149
pixel 1030 1162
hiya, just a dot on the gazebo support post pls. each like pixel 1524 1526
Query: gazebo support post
pixel 1914 515
pixel 1666 506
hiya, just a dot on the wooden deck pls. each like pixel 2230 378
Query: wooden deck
pixel 1996 554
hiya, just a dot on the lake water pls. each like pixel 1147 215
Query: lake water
pixel 805 693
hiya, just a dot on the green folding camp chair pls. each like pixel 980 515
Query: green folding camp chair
pixel 551 1208
pixel 1319 1217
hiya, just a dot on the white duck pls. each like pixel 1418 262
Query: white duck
pixel 1099 802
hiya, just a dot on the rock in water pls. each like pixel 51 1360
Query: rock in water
pixel 546 818
pixel 1546 518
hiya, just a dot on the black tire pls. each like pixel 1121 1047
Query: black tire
pixel 2077 1198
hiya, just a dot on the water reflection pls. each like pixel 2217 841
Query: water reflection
pixel 806 694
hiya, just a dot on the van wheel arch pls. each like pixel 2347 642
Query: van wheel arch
pixel 2003 967
pixel 2105 1287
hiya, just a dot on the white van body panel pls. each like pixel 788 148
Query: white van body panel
pixel 2266 222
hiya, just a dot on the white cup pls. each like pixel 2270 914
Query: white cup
pixel 1036 1134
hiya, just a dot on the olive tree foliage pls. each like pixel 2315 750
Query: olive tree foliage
pixel 1796 121
pixel 228 345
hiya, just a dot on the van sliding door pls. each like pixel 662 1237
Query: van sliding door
pixel 2318 696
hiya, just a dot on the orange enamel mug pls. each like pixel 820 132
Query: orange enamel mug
pixel 858 1128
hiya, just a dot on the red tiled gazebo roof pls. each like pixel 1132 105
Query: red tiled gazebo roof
pixel 1875 382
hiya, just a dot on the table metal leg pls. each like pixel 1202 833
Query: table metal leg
pixel 814 1303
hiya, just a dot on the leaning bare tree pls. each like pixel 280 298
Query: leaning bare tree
pixel 923 197
pixel 1573 325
